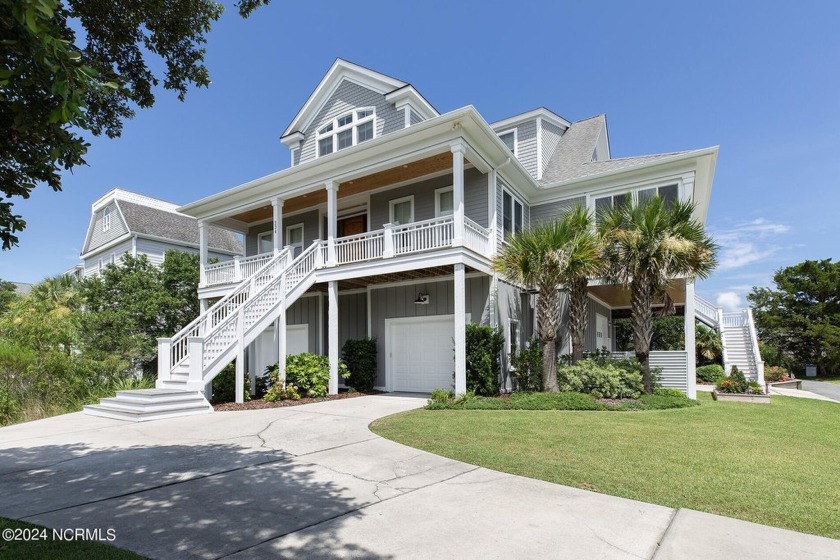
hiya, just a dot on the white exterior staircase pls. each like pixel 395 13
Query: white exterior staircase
pixel 738 338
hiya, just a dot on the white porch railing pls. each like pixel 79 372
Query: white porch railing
pixel 235 270
pixel 361 247
pixel 734 319
pixel 476 237
pixel 705 311
pixel 423 236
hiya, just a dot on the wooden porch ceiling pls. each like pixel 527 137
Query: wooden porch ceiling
pixel 399 174
pixel 419 275
pixel 616 296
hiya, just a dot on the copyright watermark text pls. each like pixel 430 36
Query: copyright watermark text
pixel 44 534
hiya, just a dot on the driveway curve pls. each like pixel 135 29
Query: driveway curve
pixel 313 482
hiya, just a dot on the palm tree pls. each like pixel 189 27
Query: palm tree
pixel 546 257
pixel 646 246
pixel 708 343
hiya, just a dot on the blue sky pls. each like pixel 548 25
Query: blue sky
pixel 759 79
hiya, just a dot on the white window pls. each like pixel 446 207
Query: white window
pixel 605 203
pixel 513 335
pixel 402 210
pixel 106 219
pixel 668 193
pixel 444 202
pixel 265 242
pixel 294 238
pixel 347 130
pixel 509 138
pixel 512 214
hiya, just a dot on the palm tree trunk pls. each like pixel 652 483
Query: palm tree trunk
pixel 578 316
pixel 549 367
pixel 642 313
pixel 548 320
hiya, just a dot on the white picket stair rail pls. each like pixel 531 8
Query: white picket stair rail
pixel 737 336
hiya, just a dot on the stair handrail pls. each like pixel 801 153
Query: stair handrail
pixel 723 352
pixel 759 363
pixel 216 329
pixel 194 327
pixel 705 307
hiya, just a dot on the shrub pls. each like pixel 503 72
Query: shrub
pixel 553 401
pixel 307 374
pixel 601 381
pixel 440 395
pixel 773 374
pixel 676 393
pixel 484 346
pixel 280 393
pixel 735 383
pixel 754 388
pixel 527 366
pixel 360 358
pixel 9 408
pixel 710 373
pixel 224 385
pixel 664 399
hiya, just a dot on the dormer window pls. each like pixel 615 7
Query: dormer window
pixel 509 138
pixel 347 130
pixel 106 219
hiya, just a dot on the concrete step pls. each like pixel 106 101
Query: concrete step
pixel 150 404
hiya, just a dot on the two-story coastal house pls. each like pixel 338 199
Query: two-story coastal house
pixel 124 222
pixel 384 226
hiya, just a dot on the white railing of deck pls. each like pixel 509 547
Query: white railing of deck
pixel 234 270
pixel 476 237
pixel 734 319
pixel 423 236
pixel 204 323
pixel 361 247
pixel 705 309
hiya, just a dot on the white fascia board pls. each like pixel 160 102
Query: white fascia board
pixel 360 159
pixel 542 113
pixel 292 140
pixel 340 69
pixel 407 95
pixel 186 244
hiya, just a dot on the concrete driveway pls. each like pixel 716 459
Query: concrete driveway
pixel 312 481
pixel 824 388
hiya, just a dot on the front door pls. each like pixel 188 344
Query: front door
pixel 602 332
pixel 352 225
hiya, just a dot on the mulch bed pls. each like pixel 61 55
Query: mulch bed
pixel 257 404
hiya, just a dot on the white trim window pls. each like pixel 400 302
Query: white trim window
pixel 106 219
pixel 294 238
pixel 668 193
pixel 509 138
pixel 512 214
pixel 401 210
pixel 444 202
pixel 265 242
pixel 347 130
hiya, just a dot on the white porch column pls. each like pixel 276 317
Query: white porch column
pixel 239 384
pixel 690 344
pixel 332 326
pixel 460 330
pixel 277 238
pixel 202 251
pixel 202 305
pixel 332 220
pixel 458 192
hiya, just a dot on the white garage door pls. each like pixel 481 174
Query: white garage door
pixel 421 355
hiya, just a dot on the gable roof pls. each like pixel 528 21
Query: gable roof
pixel 344 70
pixel 170 225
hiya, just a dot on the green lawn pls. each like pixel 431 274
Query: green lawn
pixel 775 464
pixel 50 549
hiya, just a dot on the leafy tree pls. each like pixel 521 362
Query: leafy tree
pixel 57 85
pixel 801 316
pixel 179 276
pixel 668 333
pixel 45 320
pixel 8 293
pixel 548 256
pixel 708 344
pixel 646 245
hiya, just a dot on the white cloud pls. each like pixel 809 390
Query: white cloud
pixel 729 301
pixel 748 242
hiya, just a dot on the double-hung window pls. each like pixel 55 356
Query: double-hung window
pixel 444 202
pixel 402 210
pixel 512 214
pixel 106 219
pixel 347 130
pixel 294 239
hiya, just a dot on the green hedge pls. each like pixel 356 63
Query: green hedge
pixel 360 358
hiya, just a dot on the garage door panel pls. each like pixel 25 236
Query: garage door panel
pixel 421 354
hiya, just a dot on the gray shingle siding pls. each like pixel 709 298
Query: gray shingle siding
pixel 415 118
pixel 310 230
pixel 541 213
pixel 551 135
pixel 98 238
pixel 526 146
pixel 349 96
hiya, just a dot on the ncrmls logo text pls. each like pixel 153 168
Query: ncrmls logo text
pixel 79 534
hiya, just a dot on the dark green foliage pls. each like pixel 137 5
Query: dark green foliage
pixel 7 294
pixel 710 373
pixel 484 347
pixel 800 317
pixel 600 380
pixel 440 396
pixel 528 364
pixel 561 401
pixel 668 334
pixel 224 385
pixel 360 358
pixel 61 80
pixel 306 374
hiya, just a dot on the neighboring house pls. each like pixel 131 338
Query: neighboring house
pixel 124 222
pixel 22 288
pixel 384 226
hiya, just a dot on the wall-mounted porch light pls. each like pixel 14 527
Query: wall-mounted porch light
pixel 422 299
